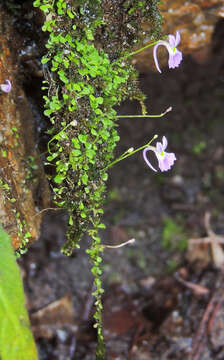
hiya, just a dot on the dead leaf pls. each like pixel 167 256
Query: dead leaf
pixel 199 250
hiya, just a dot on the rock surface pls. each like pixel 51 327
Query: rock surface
pixel 21 172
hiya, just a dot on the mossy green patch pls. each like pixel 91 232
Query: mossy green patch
pixel 88 73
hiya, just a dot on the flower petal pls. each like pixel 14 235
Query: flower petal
pixel 159 147
pixel 162 165
pixel 172 41
pixel 165 142
pixel 146 160
pixel 168 161
pixel 177 40
pixel 175 59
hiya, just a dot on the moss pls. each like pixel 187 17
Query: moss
pixel 87 75
pixel 174 236
pixel 85 81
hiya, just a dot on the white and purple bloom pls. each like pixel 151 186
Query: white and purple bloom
pixel 165 159
pixel 6 87
pixel 175 55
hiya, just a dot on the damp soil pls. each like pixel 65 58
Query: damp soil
pixel 148 312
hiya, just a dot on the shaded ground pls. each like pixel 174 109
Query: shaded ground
pixel 149 314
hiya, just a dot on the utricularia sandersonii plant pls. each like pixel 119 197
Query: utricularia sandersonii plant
pixel 87 73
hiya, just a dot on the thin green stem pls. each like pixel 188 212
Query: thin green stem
pixel 139 50
pixel 136 52
pixel 145 116
pixel 127 153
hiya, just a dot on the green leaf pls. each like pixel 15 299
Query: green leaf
pixel 59 178
pixel 36 3
pixel 89 34
pixel 75 143
pixel 82 138
pixel 16 339
pixel 90 153
pixel 70 14
pixel 105 176
pixel 70 220
pixel 83 215
pixel 84 178
pixel 44 60
pixel 76 152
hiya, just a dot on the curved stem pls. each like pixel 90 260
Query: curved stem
pixel 131 241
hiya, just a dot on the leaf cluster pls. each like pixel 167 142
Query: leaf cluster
pixel 84 85
pixel 85 81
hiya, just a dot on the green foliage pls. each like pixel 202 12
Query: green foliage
pixel 173 236
pixel 31 169
pixel 198 148
pixel 85 81
pixel 16 339
pixel 87 75
pixel 22 229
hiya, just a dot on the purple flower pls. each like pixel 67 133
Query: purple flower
pixel 175 56
pixel 6 87
pixel 165 159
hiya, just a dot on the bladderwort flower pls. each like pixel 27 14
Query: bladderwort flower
pixel 6 87
pixel 175 55
pixel 165 159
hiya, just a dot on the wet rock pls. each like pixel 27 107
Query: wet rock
pixel 21 172
pixel 196 22
pixel 53 317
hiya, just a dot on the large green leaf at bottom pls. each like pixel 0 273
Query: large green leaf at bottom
pixel 16 339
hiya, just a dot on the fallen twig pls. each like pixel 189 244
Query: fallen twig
pixel 197 289
pixel 206 325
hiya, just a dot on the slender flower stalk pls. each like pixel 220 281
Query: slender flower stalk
pixel 146 116
pixel 165 159
pixel 175 55
pixel 6 87
pixel 130 152
pixel 139 50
